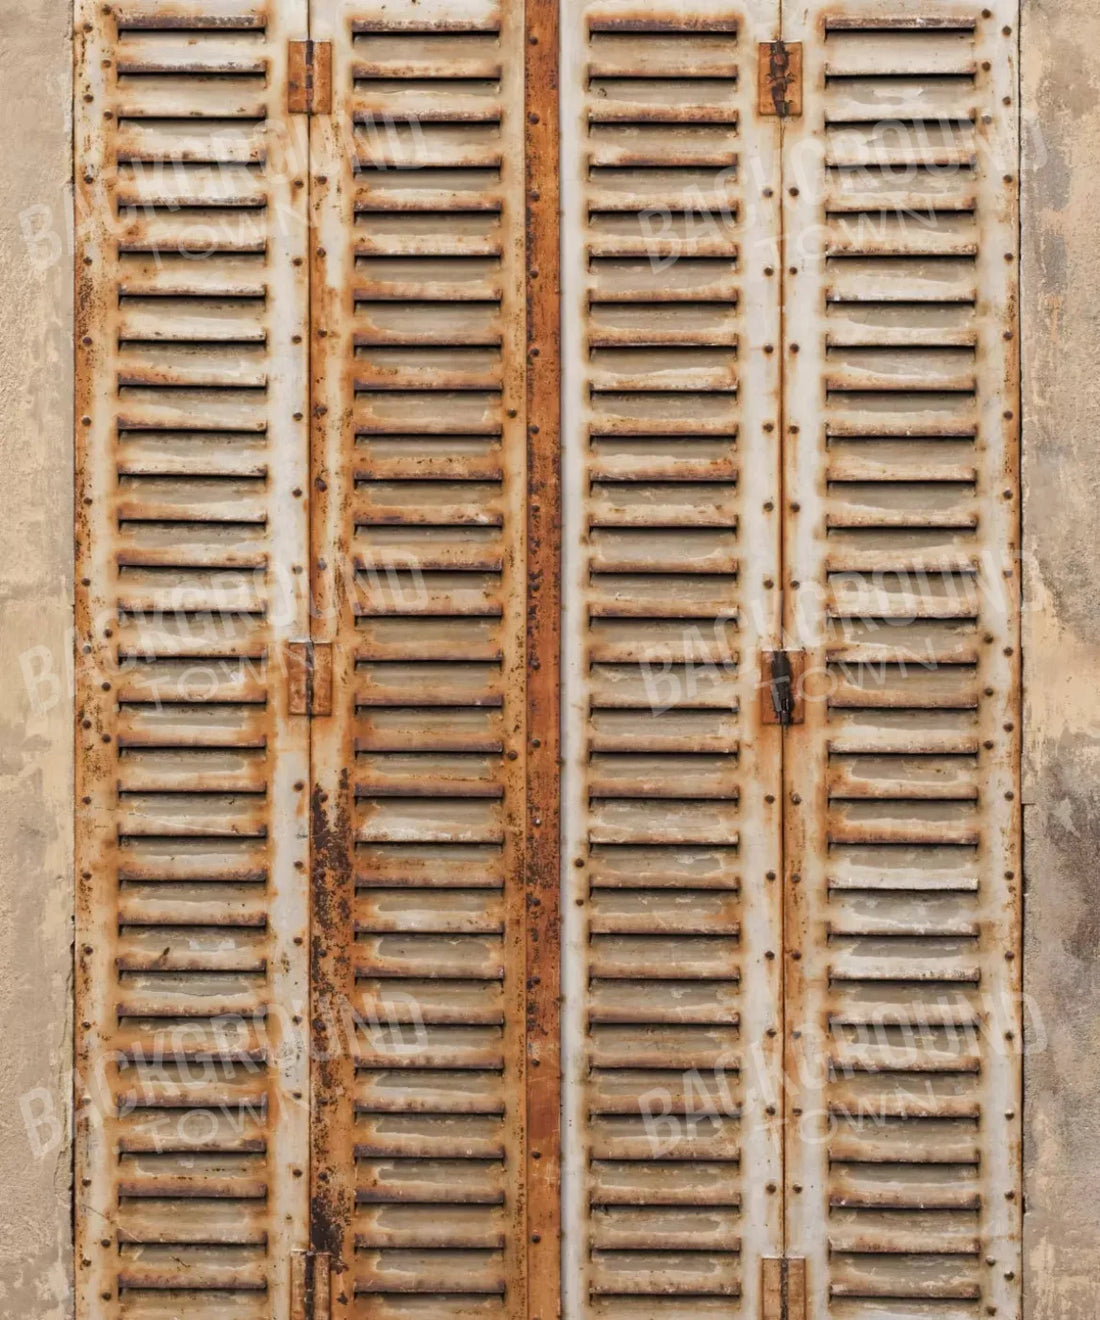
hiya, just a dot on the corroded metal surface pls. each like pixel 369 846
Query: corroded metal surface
pixel 779 78
pixel 191 1141
pixel 901 562
pixel 544 588
pixel 790 863
pixel 420 578
pixel 671 852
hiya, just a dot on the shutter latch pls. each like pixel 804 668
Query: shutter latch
pixel 779 78
pixel 309 678
pixel 782 700
pixel 783 1295
pixel 309 77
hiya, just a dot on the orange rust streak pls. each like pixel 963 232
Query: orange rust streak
pixel 543 859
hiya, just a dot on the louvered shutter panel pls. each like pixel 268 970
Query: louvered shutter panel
pixel 192 1139
pixel 420 568
pixel 903 1131
pixel 671 853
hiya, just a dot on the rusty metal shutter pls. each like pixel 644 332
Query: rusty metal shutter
pixel 672 779
pixel 426 1180
pixel 192 1136
pixel 317 543
pixel 902 584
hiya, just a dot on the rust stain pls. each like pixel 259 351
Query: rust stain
pixel 542 867
pixel 332 984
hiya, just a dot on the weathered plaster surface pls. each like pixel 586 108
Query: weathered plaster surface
pixel 1061 258
pixel 35 613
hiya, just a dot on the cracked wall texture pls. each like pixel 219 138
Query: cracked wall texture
pixel 35 609
pixel 1061 354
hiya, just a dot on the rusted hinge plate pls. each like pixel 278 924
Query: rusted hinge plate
pixel 782 678
pixel 783 1296
pixel 309 77
pixel 310 1293
pixel 779 78
pixel 309 678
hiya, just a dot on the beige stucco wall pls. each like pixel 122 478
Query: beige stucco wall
pixel 1061 253
pixel 35 610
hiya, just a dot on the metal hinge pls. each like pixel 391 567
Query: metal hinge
pixel 310 1285
pixel 782 700
pixel 779 78
pixel 309 678
pixel 783 1295
pixel 309 77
